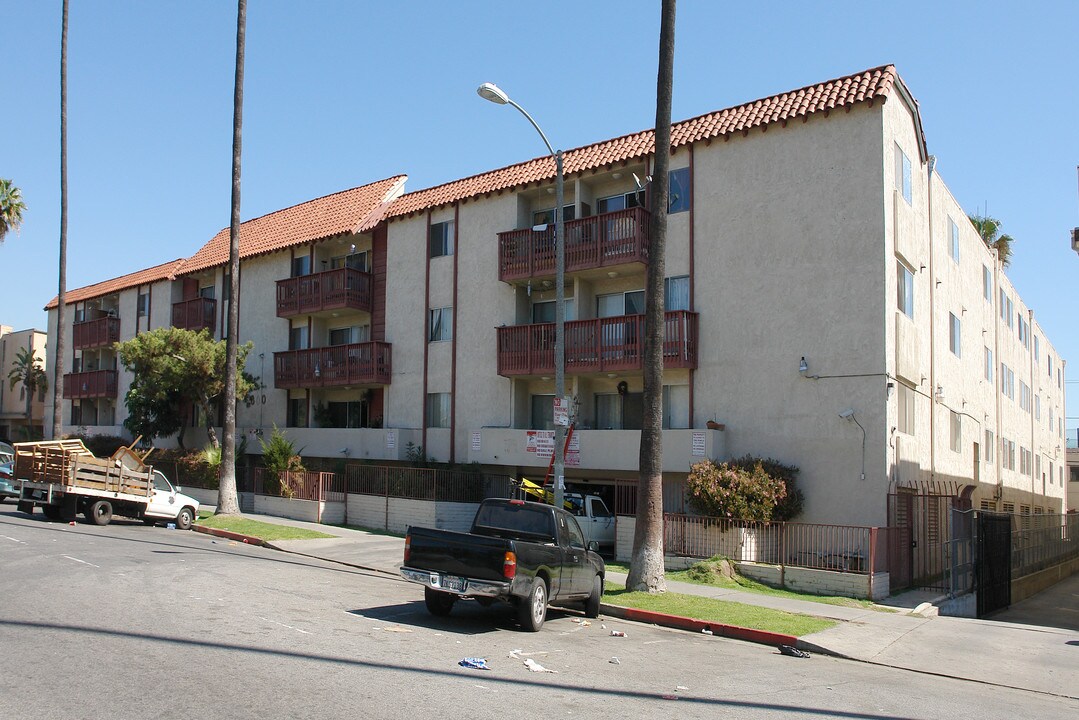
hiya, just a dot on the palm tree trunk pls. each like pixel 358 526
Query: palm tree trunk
pixel 646 568
pixel 61 309
pixel 228 503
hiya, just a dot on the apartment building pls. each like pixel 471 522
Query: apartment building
pixel 828 304
pixel 13 418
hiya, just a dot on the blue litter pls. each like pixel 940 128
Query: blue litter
pixel 475 663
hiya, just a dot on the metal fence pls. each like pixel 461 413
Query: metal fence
pixel 845 548
pixel 426 483
pixel 298 485
pixel 1041 541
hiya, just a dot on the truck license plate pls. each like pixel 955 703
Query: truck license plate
pixel 452 582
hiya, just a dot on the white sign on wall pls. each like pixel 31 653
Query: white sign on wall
pixel 541 442
pixel 475 441
pixel 561 411
pixel 391 439
pixel 698 444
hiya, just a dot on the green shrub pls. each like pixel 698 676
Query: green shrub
pixel 744 489
pixel 279 455
pixel 187 468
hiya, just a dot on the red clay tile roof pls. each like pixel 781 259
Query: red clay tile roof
pixel 843 92
pixel 355 210
pixel 164 271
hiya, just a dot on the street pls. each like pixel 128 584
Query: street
pixel 127 621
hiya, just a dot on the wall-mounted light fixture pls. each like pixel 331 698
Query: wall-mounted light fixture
pixel 939 394
pixel 891 388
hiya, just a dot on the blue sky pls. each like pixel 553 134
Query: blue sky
pixel 339 94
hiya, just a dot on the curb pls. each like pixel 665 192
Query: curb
pixel 678 622
pixel 229 535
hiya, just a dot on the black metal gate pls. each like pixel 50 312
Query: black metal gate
pixel 921 542
pixel 993 562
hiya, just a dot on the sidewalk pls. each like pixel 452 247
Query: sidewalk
pixel 1040 659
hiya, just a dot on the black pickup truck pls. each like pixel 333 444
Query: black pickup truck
pixel 524 553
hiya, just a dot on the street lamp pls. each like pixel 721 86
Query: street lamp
pixel 490 91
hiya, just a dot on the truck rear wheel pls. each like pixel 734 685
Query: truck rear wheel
pixel 438 603
pixel 184 519
pixel 591 605
pixel 99 512
pixel 532 610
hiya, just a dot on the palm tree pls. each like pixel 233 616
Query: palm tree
pixel 26 371
pixel 646 569
pixel 11 207
pixel 61 296
pixel 989 230
pixel 228 503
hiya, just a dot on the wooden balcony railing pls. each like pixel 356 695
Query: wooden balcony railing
pixel 195 314
pixel 91 384
pixel 613 238
pixel 601 345
pixel 90 334
pixel 329 290
pixel 365 363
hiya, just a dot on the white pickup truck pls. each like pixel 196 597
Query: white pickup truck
pixel 595 519
pixel 63 478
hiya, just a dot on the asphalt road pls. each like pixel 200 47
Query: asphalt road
pixel 129 621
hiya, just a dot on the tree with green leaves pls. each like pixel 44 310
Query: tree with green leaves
pixel 27 372
pixel 989 230
pixel 173 366
pixel 11 207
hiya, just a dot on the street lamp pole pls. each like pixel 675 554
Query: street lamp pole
pixel 490 91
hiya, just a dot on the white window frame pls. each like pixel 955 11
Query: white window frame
pixel 907 409
pixel 953 233
pixel 441 246
pixel 904 289
pixel 903 177
pixel 440 324
pixel 955 335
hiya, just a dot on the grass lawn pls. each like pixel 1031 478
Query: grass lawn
pixel 720 611
pixel 748 585
pixel 256 528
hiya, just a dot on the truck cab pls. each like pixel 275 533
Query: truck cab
pixel 595 519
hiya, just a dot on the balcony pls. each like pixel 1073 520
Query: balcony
pixel 613 344
pixel 365 363
pixel 343 288
pixel 97 333
pixel 197 314
pixel 601 241
pixel 91 384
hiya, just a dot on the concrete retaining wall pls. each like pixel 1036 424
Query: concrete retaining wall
pixel 1024 587
pixel 397 514
pixel 306 510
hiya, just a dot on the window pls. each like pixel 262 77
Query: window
pixel 1024 461
pixel 1006 308
pixel 620 202
pixel 905 286
pixel 989 445
pixel 1024 333
pixel 542 412
pixel 349 335
pixel 356 261
pixel 574 533
pixel 988 365
pixel 906 409
pixel 953 231
pixel 1050 359
pixel 954 336
pixel 438 410
pixel 679 185
pixel 1037 350
pixel 297 412
pixel 1050 419
pixel 546 217
pixel 1037 407
pixel 957 433
pixel 1024 396
pixel 301 266
pixel 347 414
pixel 619 412
pixel 208 292
pixel 143 304
pixel 675 406
pixel 617 304
pixel 441 239
pixel 1007 381
pixel 1007 453
pixel 544 312
pixel 987 284
pixel 441 324
pixel 902 174
pixel 297 338
pixel 676 293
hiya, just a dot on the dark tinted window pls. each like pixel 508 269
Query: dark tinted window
pixel 534 520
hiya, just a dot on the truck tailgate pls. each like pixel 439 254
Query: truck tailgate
pixel 457 553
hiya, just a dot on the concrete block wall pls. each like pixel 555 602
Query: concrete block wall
pixel 367 511
pixel 405 513
pixel 333 513
pixel 306 510
pixel 818 582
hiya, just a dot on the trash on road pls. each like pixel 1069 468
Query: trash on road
pixel 536 667
pixel 793 651
pixel 706 631
pixel 615 661
pixel 397 628
pixel 582 623
pixel 681 687
pixel 617 633
pixel 474 663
